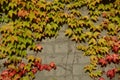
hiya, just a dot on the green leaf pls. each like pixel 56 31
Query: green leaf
pixel 28 67
pixel 12 5
pixel 68 32
pixel 32 16
pixel 10 13
pixel 54 25
pixel 31 74
pixel 94 18
pixel 95 74
pixel 111 26
pixel 26 78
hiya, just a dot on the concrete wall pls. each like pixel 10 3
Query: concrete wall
pixel 70 62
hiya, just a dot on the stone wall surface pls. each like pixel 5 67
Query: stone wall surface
pixel 70 62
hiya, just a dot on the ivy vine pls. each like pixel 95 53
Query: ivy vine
pixel 28 21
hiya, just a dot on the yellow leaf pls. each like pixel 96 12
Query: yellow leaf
pixel 92 41
pixel 74 37
pixel 96 34
pixel 30 58
pixel 82 47
pixel 68 32
pixel 89 34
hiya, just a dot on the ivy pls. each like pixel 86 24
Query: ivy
pixel 35 20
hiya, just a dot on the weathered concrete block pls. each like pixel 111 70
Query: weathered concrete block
pixel 61 47
pixel 48 48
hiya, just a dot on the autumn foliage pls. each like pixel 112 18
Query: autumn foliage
pixel 28 22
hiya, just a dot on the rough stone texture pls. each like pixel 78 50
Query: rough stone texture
pixel 70 62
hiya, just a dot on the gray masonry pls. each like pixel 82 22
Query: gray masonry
pixel 70 61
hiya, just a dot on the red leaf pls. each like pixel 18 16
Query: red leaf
pixel 37 64
pixel 111 73
pixel 22 72
pixel 52 65
pixel 101 78
pixel 5 72
pixel 12 73
pixel 109 58
pixel 115 48
pixel 22 13
pixel 115 58
pixel 114 38
pixel 102 62
pixel 6 78
pixel 34 70
pixel 48 68
pixel 22 65
pixel 41 68
pixel 45 66
pixel 38 47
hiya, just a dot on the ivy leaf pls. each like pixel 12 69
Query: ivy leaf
pixel 89 68
pixel 54 25
pixel 94 18
pixel 30 58
pixel 11 66
pixel 32 16
pixel 26 23
pixel 16 77
pixel 55 7
pixel 102 41
pixel 3 55
pixel 93 60
pixel 101 7
pixel 104 50
pixel 25 78
pixel 111 73
pixel 74 37
pixel 12 5
pixel 27 67
pixel 111 26
pixel 48 27
pixel 90 52
pixel 31 75
pixel 82 47
pixel 38 47
pixel 89 34
pixel 95 74
pixel 101 78
pixel 96 34
pixel 82 37
pixel 102 62
pixel 23 53
pixel 92 41
pixel 68 32
pixel 115 58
